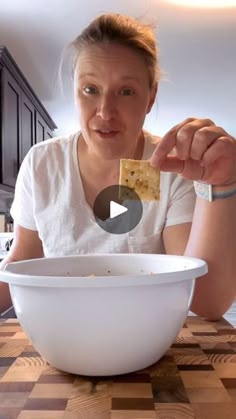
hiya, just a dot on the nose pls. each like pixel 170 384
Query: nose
pixel 107 106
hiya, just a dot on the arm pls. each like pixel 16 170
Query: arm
pixel 26 245
pixel 211 237
pixel 207 153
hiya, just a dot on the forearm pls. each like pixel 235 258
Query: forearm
pixel 213 238
pixel 26 245
pixel 5 298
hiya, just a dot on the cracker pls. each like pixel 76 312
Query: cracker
pixel 140 176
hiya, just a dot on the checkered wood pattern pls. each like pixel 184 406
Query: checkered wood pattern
pixel 196 379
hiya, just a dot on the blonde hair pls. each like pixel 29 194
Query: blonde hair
pixel 123 30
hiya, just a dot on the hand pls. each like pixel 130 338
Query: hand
pixel 203 152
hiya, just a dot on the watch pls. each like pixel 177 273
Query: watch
pixel 213 192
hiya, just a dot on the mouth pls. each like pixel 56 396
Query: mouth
pixel 106 133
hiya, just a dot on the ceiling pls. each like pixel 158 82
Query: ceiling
pixel 198 55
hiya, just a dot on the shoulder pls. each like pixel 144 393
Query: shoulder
pixel 52 150
pixel 53 144
pixel 151 138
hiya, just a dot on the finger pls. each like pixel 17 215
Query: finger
pixel 219 162
pixel 224 146
pixel 166 144
pixel 172 164
pixel 180 137
pixel 185 136
pixel 189 169
pixel 203 138
pixel 163 148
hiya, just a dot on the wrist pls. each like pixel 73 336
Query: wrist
pixel 213 192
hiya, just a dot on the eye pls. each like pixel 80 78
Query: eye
pixel 127 92
pixel 90 90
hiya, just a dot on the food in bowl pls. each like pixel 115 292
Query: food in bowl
pixel 122 320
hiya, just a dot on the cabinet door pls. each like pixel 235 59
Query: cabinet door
pixel 11 128
pixel 43 132
pixel 40 128
pixel 49 133
pixel 27 126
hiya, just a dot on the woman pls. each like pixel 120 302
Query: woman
pixel 116 76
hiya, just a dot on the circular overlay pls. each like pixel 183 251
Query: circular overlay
pixel 117 209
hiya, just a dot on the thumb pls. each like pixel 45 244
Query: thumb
pixel 170 164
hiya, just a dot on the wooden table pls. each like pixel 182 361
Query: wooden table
pixel 195 379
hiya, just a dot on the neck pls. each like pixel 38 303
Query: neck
pixel 96 167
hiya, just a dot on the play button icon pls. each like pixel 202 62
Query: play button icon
pixel 117 209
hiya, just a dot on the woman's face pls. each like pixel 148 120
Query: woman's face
pixel 113 97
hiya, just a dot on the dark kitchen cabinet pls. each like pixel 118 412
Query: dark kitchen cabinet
pixel 11 97
pixel 23 120
pixel 43 131
pixel 27 125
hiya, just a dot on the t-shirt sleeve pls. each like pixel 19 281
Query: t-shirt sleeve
pixel 22 209
pixel 181 202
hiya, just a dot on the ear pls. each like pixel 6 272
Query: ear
pixel 153 94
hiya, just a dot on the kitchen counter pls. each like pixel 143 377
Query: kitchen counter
pixel 196 379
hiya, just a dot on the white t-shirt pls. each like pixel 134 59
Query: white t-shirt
pixel 49 198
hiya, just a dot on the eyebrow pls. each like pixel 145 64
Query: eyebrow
pixel 82 75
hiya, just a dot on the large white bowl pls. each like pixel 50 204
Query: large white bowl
pixel 120 321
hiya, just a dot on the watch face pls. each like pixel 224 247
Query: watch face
pixel 204 190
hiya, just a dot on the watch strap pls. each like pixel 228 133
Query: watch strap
pixel 214 192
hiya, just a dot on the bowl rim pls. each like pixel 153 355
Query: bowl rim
pixel 198 268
